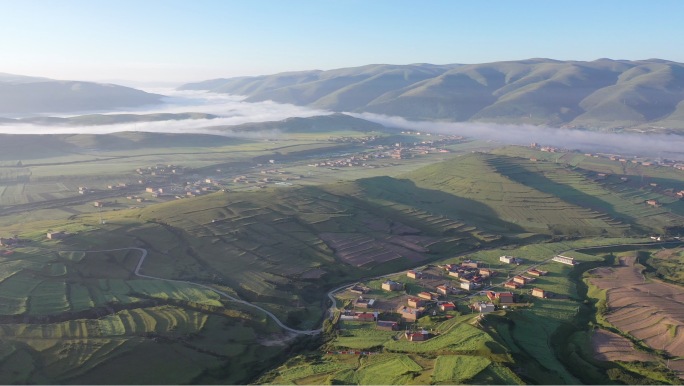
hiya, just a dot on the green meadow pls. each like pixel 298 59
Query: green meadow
pixel 72 315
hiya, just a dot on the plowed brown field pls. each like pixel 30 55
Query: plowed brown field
pixel 652 311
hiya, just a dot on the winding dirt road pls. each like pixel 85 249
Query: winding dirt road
pixel 143 255
pixel 330 311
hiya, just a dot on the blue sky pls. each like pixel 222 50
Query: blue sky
pixel 157 40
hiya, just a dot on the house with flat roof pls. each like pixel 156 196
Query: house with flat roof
pixel 390 285
pixel 467 285
pixel 56 235
pixel 502 297
pixel 510 260
pixel 485 272
pixel 366 316
pixel 362 302
pixel 447 306
pixel 483 307
pixel 512 285
pixel 539 293
pixel 415 302
pixel 418 336
pixel 537 272
pixel 410 314
pixel 564 259
pixel 425 295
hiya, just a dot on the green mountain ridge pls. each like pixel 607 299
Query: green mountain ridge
pixel 601 94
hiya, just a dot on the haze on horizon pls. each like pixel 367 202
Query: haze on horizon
pixel 143 43
pixel 232 111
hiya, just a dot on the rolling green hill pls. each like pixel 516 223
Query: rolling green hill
pixel 318 124
pixel 18 147
pixel 600 94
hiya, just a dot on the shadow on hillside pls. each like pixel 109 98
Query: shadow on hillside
pixel 564 192
pixel 406 192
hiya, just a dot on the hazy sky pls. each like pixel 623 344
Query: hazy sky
pixel 156 40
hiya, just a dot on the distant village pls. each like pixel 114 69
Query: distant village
pixel 443 290
pixel 677 164
pixel 167 181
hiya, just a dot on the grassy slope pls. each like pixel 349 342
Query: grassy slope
pixel 529 205
pixel 78 320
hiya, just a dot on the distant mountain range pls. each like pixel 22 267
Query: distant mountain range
pixel 602 94
pixel 24 95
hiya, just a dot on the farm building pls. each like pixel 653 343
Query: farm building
pixel 536 272
pixel 362 302
pixel 564 259
pixel 387 325
pixel 503 297
pixel 417 336
pixel 455 273
pixel 415 302
pixel 409 313
pixel 447 306
pixel 414 274
pixel 483 308
pixel 654 203
pixel 512 285
pixel 390 285
pixel 539 293
pixel 510 260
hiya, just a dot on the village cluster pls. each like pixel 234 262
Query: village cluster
pixel 398 151
pixel 677 164
pixel 444 287
pixel 164 182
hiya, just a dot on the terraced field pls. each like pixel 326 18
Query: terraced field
pixel 652 312
pixel 499 187
pixel 402 362
pixel 58 323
